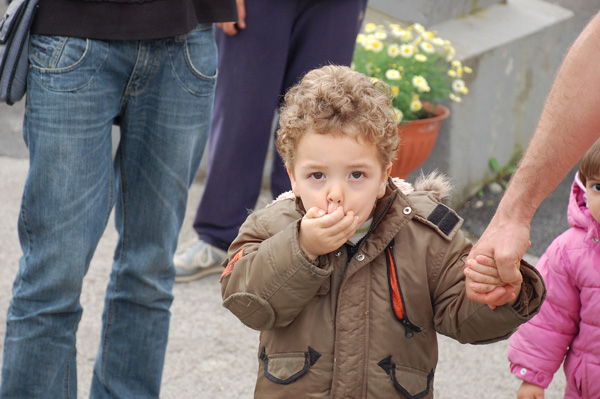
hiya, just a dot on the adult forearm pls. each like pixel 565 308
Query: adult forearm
pixel 569 124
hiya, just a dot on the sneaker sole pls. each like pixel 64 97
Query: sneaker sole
pixel 201 273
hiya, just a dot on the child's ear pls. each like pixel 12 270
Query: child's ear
pixel 292 181
pixel 384 178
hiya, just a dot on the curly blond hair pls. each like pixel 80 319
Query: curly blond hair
pixel 337 100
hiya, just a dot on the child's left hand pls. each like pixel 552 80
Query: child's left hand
pixel 482 277
pixel 483 274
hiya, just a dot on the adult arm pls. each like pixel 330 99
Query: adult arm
pixel 568 126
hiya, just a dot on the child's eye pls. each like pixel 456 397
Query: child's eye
pixel 317 175
pixel 596 187
pixel 356 175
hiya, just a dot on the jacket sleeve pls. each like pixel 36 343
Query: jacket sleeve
pixel 538 348
pixel 471 322
pixel 268 280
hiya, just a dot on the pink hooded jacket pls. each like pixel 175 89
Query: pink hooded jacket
pixel 569 321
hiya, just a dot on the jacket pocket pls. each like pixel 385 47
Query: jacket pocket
pixel 581 376
pixel 574 369
pixel 412 383
pixel 283 368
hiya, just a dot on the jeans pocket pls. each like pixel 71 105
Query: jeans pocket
pixel 194 60
pixel 284 368
pixel 65 63
pixel 410 382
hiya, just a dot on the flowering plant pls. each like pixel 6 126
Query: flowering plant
pixel 419 66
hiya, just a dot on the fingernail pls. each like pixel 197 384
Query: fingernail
pixel 321 212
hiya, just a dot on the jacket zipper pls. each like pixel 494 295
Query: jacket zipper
pixel 396 297
pixel 352 250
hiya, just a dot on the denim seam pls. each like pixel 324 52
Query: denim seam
pixel 66 381
pixel 109 313
pixel 134 74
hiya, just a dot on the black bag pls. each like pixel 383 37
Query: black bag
pixel 14 43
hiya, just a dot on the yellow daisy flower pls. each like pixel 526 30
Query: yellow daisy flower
pixel 380 35
pixel 406 36
pixel 407 50
pixel 418 28
pixel 399 115
pixel 376 46
pixel 458 85
pixel 455 98
pixel 427 47
pixel 396 30
pixel 418 80
pixel 416 105
pixel 393 50
pixel 370 27
pixel 392 74
pixel 427 35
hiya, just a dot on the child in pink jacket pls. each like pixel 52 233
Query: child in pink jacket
pixel 568 324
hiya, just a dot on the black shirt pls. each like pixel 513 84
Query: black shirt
pixel 128 19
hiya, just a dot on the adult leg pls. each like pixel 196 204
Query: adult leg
pixel 324 32
pixel 71 101
pixel 165 121
pixel 251 68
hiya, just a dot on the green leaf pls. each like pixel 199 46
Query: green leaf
pixel 494 165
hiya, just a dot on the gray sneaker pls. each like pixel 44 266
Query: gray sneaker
pixel 196 260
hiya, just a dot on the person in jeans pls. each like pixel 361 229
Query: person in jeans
pixel 267 51
pixel 149 67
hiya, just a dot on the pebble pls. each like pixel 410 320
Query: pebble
pixel 495 188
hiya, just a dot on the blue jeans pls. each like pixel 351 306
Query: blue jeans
pixel 160 92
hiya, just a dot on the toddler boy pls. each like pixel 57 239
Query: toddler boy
pixel 350 276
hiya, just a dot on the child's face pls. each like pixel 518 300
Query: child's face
pixel 592 192
pixel 334 170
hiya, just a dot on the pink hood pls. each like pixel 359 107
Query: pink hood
pixel 568 323
pixel 578 214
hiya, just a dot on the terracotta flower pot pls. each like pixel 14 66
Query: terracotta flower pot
pixel 417 139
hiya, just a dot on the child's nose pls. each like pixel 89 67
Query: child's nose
pixel 335 194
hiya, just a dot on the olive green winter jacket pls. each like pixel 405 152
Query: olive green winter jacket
pixel 361 322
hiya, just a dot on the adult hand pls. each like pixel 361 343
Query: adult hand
pixel 231 28
pixel 321 232
pixel 506 239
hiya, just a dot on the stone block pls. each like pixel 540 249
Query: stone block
pixel 429 12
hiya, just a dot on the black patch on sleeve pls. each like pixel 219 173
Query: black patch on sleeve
pixel 443 218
